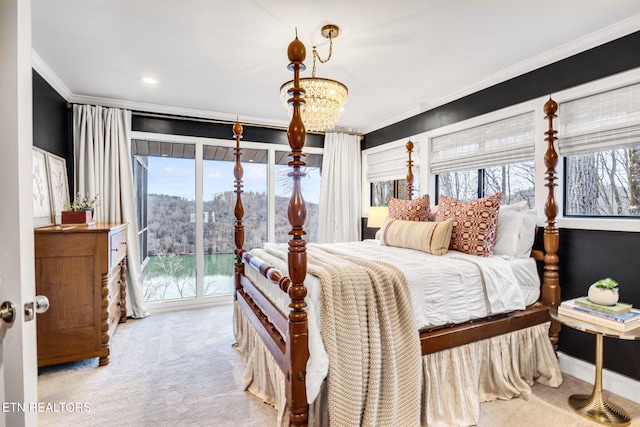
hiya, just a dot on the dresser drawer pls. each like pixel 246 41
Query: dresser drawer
pixel 118 248
pixel 79 269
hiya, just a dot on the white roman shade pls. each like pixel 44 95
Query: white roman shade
pixel 505 141
pixel 604 121
pixel 391 164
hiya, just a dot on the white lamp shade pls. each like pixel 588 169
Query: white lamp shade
pixel 377 215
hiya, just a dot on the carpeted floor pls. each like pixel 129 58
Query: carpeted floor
pixel 179 369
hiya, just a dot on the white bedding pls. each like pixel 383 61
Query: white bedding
pixel 452 288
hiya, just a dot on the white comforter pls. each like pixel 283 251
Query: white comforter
pixel 452 288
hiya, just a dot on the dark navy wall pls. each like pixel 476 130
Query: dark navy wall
pixel 610 58
pixel 51 123
pixel 585 257
pixel 181 126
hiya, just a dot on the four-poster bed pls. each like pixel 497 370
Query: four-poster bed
pixel 286 330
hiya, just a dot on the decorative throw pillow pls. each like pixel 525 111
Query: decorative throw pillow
pixel 508 230
pixel 474 226
pixel 527 234
pixel 410 210
pixel 425 236
pixel 433 211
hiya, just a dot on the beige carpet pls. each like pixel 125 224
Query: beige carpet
pixel 179 369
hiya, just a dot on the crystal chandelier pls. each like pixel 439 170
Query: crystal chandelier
pixel 324 99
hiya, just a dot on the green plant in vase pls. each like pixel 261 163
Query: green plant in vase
pixel 82 203
pixel 604 292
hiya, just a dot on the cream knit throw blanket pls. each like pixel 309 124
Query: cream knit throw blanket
pixel 370 335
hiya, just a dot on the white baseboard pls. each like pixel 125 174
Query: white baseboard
pixel 611 381
pixel 188 303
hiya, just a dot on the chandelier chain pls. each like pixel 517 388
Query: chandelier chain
pixel 317 56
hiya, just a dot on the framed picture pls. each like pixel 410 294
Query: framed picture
pixel 58 185
pixel 42 214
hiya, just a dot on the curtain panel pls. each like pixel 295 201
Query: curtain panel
pixel 339 210
pixel 102 156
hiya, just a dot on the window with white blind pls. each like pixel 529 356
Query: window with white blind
pixel 599 136
pixel 486 159
pixel 387 174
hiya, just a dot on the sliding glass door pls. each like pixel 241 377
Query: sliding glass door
pixel 219 220
pixel 186 212
pixel 171 247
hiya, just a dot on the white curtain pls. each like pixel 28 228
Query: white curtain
pixel 339 211
pixel 102 156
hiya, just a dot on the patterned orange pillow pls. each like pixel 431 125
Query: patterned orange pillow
pixel 410 210
pixel 474 225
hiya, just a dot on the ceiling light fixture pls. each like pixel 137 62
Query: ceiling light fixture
pixel 324 99
pixel 149 80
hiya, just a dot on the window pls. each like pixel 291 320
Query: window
pixel 387 171
pixel 171 268
pixel 140 167
pixel 382 191
pixel 487 159
pixel 218 199
pixel 186 217
pixel 310 192
pixel 604 183
pixel 515 182
pixel 600 139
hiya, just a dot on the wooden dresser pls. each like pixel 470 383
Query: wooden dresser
pixel 81 269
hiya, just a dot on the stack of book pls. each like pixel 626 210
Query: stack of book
pixel 620 317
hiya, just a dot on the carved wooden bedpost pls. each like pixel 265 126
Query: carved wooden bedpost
pixel 239 209
pixel 551 277
pixel 297 257
pixel 409 170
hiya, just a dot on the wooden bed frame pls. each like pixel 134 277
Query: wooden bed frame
pixel 286 337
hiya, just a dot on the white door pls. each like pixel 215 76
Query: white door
pixel 18 363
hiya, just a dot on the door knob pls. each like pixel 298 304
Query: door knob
pixel 8 311
pixel 39 305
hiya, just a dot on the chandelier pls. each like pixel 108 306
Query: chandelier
pixel 324 99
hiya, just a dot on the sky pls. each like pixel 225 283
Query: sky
pixel 176 177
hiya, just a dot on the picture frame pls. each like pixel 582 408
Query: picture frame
pixel 42 214
pixel 58 185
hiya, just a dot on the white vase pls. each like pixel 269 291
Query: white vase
pixel 602 296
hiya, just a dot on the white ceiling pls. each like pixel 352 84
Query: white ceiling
pixel 227 58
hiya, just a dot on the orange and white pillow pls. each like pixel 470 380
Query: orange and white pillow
pixel 474 226
pixel 410 210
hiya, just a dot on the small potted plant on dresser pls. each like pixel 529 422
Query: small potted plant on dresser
pixel 604 292
pixel 80 211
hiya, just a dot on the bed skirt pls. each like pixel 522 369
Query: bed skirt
pixel 455 381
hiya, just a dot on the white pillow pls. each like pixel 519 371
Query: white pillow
pixel 508 228
pixel 527 233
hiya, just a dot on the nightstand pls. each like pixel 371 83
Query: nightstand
pixel 594 406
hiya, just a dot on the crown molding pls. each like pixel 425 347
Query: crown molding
pixel 174 111
pixel 49 76
pixel 597 38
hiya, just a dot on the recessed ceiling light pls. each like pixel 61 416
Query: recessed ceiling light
pixel 149 80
